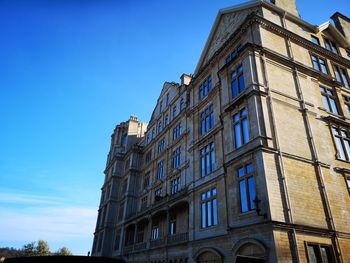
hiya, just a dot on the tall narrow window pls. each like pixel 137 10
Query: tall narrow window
pixel 246 187
pixel 175 185
pixel 160 127
pixel 172 225
pixel 237 81
pixel 155 232
pixel 117 239
pixel 161 145
pixel 121 212
pixel 160 170
pixel 158 194
pixel 177 157
pixel 167 100
pixel 342 141
pixel 144 202
pixel 182 104
pixel 209 208
pixel 161 106
pixel 166 120
pixel 241 129
pixel 330 45
pixel 341 76
pixel 207 159
pixel 347 105
pixel 177 131
pixel 174 112
pixel 146 180
pixel 207 119
pixel 329 100
pixel 319 64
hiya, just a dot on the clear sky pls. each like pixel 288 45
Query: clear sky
pixel 69 71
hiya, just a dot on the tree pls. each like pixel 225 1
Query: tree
pixel 63 251
pixel 42 249
pixel 29 249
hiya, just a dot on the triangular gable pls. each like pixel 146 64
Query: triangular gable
pixel 226 22
pixel 334 32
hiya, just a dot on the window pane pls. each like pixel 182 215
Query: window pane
pixel 326 255
pixel 315 63
pixel 241 83
pixel 312 253
pixel 203 166
pixel 337 73
pixel 215 213
pixel 209 215
pixel 345 78
pixel 348 182
pixel 323 66
pixel 252 195
pixel 212 160
pixel 238 139
pixel 249 168
pixel 240 172
pixel 334 106
pixel 207 157
pixel 347 147
pixel 243 196
pixel 211 120
pixel 245 131
pixel 234 88
pixel 236 117
pixel 340 148
pixel 325 102
pixel 203 196
pixel 204 224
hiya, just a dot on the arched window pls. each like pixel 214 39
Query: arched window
pixel 174 112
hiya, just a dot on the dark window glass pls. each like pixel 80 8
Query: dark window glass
pixel 241 128
pixel 209 209
pixel 237 81
pixel 315 40
pixel 207 119
pixel 329 100
pixel 246 187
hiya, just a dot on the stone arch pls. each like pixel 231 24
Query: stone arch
pixel 249 250
pixel 208 255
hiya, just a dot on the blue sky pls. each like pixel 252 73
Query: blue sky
pixel 69 71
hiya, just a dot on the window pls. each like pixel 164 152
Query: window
pixel 177 157
pixel 182 104
pixel 319 253
pixel 207 119
pixel 172 225
pixel 148 156
pixel 237 81
pixel 153 133
pixel 144 202
pixel 347 105
pixel 241 129
pixel 140 234
pixel 209 208
pixel 342 141
pixel 177 131
pixel 148 140
pixel 158 193
pixel 207 159
pixel 146 180
pixel 155 232
pixel 161 106
pixel 161 145
pixel 234 54
pixel 124 186
pixel 121 212
pixel 315 40
pixel 330 45
pixel 246 187
pixel 341 76
pixel 175 185
pixel 174 112
pixel 167 100
pixel 205 88
pixel 319 64
pixel 329 100
pixel 160 170
pixel 166 120
pixel 348 183
pixel 117 239
pixel 160 127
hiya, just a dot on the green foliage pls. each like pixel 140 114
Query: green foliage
pixel 63 251
pixel 42 249
pixel 29 249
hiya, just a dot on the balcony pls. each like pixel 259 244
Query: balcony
pixel 158 242
pixel 140 246
pixel 177 238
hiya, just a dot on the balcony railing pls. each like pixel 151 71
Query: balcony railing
pixel 158 242
pixel 177 238
pixel 140 246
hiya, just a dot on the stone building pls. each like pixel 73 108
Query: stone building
pixel 246 160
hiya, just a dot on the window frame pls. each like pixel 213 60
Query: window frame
pixel 341 75
pixel 242 119
pixel 313 37
pixel 330 100
pixel 209 214
pixel 245 177
pixel 205 87
pixel 319 65
pixel 160 169
pixel 176 158
pixel 175 185
pixel 339 140
pixel 332 45
pixel 319 246
pixel 207 120
pixel 207 159
pixel 237 76
pixel 346 100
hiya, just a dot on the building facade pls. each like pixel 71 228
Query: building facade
pixel 246 160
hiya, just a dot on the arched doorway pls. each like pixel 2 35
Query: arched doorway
pixel 251 251
pixel 208 256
